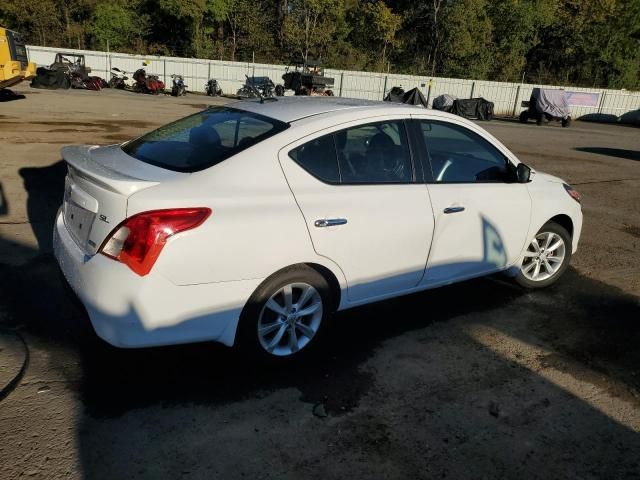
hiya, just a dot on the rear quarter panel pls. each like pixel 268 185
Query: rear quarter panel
pixel 256 227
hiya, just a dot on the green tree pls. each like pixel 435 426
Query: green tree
pixel 467 49
pixel 114 25
pixel 312 25
pixel 375 29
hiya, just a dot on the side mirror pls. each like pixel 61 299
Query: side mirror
pixel 523 173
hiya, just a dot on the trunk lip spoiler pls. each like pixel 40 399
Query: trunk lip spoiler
pixel 83 163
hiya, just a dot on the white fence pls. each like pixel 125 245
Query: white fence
pixel 603 104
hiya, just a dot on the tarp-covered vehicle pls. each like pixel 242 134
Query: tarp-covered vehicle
pixel 546 105
pixel 412 97
pixel 472 108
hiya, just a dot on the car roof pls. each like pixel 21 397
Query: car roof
pixel 290 109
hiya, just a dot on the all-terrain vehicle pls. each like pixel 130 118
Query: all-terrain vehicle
pixel 306 78
pixel 67 70
pixel 546 105
pixel 257 87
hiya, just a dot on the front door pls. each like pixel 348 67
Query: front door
pixel 363 206
pixel 482 215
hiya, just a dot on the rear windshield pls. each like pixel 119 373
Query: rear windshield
pixel 202 140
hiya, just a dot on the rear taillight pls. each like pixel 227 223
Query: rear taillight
pixel 138 241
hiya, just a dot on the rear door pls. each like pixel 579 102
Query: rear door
pixel 482 215
pixel 364 203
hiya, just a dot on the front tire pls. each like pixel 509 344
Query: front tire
pixel 546 258
pixel 287 315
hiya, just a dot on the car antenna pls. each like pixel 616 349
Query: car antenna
pixel 257 92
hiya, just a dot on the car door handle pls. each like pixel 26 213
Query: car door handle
pixel 330 222
pixel 453 209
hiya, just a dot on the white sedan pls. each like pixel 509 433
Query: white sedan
pixel 252 223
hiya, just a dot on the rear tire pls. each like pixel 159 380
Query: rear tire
pixel 539 120
pixel 272 327
pixel 546 258
pixel 566 122
pixel 524 117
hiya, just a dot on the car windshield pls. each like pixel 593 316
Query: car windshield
pixel 202 140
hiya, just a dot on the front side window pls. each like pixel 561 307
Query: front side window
pixel 460 155
pixel 202 140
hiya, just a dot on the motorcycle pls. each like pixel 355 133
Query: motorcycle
pixel 147 83
pixel 119 79
pixel 179 88
pixel 213 88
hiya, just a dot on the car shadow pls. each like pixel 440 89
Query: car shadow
pixel 612 152
pixel 45 188
pixel 214 412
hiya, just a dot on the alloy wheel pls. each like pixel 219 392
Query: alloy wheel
pixel 290 319
pixel 543 257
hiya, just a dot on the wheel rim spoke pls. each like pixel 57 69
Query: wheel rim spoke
pixel 529 267
pixel 536 271
pixel 304 297
pixel 293 339
pixel 548 266
pixel 530 254
pixel 276 339
pixel 287 291
pixel 536 245
pixel 306 331
pixel 555 246
pixel 267 329
pixel 309 310
pixel 274 307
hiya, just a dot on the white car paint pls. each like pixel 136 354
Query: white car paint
pixel 264 207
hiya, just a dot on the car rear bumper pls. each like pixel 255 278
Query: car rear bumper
pixel 129 311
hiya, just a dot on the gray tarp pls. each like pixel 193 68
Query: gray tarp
pixel 551 102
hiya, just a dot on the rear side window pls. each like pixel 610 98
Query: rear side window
pixel 366 154
pixel 203 140
pixel 318 157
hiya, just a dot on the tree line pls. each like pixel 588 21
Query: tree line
pixel 578 42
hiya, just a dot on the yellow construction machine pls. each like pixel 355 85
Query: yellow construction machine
pixel 14 61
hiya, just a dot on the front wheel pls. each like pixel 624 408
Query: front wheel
pixel 566 122
pixel 546 257
pixel 287 314
pixel 524 116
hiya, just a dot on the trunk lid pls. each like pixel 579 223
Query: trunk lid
pixel 99 182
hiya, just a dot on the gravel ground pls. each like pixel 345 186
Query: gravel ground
pixel 476 380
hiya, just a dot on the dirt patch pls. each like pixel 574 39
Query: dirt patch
pixel 632 230
pixel 197 106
